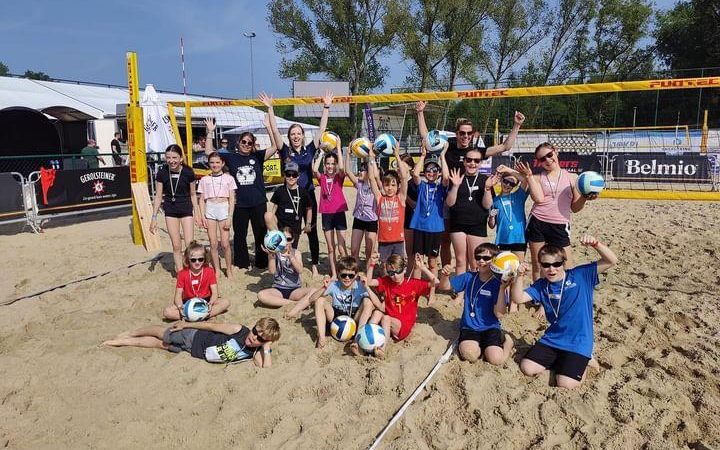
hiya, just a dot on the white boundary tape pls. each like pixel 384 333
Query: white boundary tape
pixel 442 360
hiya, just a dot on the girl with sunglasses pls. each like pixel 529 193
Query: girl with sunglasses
pixel 211 341
pixel 558 198
pixel 304 155
pixel 428 222
pixel 196 279
pixel 246 166
pixel 175 192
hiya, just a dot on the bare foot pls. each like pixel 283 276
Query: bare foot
pixel 230 275
pixel 112 343
pixel 291 315
pixel 321 342
pixel 380 353
pixel 355 349
pixel 315 272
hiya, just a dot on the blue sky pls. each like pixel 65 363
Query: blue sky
pixel 87 40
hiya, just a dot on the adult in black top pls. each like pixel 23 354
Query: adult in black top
pixel 175 191
pixel 116 149
pixel 303 155
pixel 250 202
pixel 290 205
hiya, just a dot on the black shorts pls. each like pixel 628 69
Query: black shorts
pixel 487 338
pixel 427 243
pixel 513 247
pixel 364 225
pixel 557 234
pixel 562 362
pixel 478 229
pixel 285 291
pixel 334 221
pixel 177 209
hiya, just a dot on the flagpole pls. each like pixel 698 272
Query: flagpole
pixel 182 63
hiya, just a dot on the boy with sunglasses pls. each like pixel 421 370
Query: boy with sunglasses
pixel 566 295
pixel 401 296
pixel 346 296
pixel 289 205
pixel 484 296
pixel 212 341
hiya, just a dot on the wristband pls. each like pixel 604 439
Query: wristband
pixel 268 351
pixel 326 107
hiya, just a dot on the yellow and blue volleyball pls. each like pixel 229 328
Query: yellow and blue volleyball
pixel 360 147
pixel 196 309
pixel 329 141
pixel 385 144
pixel 369 337
pixel 275 241
pixel 435 141
pixel 505 263
pixel 343 328
pixel 590 183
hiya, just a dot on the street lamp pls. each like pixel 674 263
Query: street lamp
pixel 250 36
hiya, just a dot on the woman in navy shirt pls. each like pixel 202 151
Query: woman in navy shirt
pixel 303 155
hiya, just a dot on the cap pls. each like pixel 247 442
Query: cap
pixel 432 160
pixel 292 167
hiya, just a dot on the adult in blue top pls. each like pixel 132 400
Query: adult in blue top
pixel 303 155
pixel 250 202
pixel 567 298
pixel 480 331
pixel 428 221
pixel 508 207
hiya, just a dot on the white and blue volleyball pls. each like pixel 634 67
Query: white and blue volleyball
pixel 370 336
pixel 196 309
pixel 590 183
pixel 435 141
pixel 343 328
pixel 385 144
pixel 275 241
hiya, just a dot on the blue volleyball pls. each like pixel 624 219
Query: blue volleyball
pixel 370 336
pixel 435 141
pixel 343 328
pixel 385 144
pixel 590 183
pixel 196 309
pixel 275 241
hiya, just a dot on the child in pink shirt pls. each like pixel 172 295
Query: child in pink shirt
pixel 332 204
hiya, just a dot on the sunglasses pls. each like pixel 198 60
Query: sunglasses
pixel 246 142
pixel 347 276
pixel 464 133
pixel 257 336
pixel 485 258
pixel 194 260
pixel 475 160
pixel 432 170
pixel 509 183
pixel 288 238
pixel 391 272
pixel 547 265
pixel 291 174
pixel 223 142
pixel 547 156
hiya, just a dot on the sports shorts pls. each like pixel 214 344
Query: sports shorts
pixel 485 338
pixel 557 234
pixel 562 362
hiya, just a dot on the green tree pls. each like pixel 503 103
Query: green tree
pixel 688 36
pixel 36 75
pixel 4 70
pixel 342 39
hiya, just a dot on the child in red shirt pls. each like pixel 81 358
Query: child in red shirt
pixel 196 279
pixel 401 297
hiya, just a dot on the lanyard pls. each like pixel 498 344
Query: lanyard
pixel 473 300
pixel 428 199
pixel 329 186
pixel 192 286
pixel 554 189
pixel 508 215
pixel 556 311
pixel 295 201
pixel 212 182
pixel 471 189
pixel 173 189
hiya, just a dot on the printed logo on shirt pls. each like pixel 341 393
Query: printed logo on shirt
pixel 246 175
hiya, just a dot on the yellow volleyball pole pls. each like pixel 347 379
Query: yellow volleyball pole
pixel 188 135
pixel 704 138
pixel 136 140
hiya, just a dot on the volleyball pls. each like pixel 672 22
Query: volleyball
pixel 370 337
pixel 590 183
pixel 505 264
pixel 435 141
pixel 343 328
pixel 385 144
pixel 275 241
pixel 196 309
pixel 329 141
pixel 360 147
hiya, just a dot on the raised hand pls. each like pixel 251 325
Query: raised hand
pixel 420 106
pixel 456 177
pixel 589 241
pixel 419 261
pixel 519 118
pixel 327 98
pixel 502 168
pixel 265 99
pixel 522 268
pixel 492 180
pixel 374 258
pixel 210 124
pixel 524 169
pixel 446 270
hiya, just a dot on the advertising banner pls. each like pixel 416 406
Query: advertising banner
pixel 84 187
pixel 664 168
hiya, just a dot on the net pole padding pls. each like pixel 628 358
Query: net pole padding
pixel 496 136
pixel 136 139
pixel 626 194
pixel 532 91
pixel 188 135
pixel 705 132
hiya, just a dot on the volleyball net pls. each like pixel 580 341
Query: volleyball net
pixel 635 133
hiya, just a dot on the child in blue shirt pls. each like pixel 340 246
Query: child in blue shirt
pixel 428 222
pixel 480 331
pixel 566 295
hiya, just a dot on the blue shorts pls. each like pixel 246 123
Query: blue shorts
pixel 286 291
